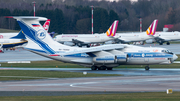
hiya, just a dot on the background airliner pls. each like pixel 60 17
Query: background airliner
pixel 162 37
pixel 9 40
pixel 100 57
pixel 136 37
pixel 87 39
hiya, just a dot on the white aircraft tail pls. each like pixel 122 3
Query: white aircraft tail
pixel 38 38
pixel 152 28
pixel 46 25
pixel 111 32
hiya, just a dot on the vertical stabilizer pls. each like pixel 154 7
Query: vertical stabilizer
pixel 152 28
pixel 36 34
pixel 46 25
pixel 111 32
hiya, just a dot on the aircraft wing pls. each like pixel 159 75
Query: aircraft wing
pixel 162 38
pixel 95 49
pixel 122 40
pixel 79 41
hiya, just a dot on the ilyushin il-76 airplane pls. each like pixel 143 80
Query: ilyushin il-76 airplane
pixel 87 39
pixel 100 57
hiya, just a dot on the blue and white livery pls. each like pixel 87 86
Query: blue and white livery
pixel 100 57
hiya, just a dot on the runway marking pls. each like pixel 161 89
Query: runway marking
pixel 73 85
pixel 119 82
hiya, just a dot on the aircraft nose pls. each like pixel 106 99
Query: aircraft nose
pixel 175 57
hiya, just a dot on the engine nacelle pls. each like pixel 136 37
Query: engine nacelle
pixel 120 57
pixel 149 41
pixel 104 59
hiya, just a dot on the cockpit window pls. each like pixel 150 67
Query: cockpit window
pixel 167 51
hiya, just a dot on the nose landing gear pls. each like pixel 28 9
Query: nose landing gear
pixel 147 67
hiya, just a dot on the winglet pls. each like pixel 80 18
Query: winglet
pixel 46 25
pixel 152 28
pixel 111 32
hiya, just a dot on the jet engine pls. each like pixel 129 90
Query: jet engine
pixel 149 41
pixel 104 59
pixel 120 57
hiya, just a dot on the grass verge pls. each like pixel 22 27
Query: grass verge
pixel 28 74
pixel 150 96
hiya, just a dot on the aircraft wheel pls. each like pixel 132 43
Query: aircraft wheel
pixel 102 68
pixel 160 43
pixel 168 43
pixel 79 44
pixel 109 68
pixel 88 46
pixel 94 68
pixel 147 68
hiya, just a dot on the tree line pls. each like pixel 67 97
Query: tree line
pixel 74 16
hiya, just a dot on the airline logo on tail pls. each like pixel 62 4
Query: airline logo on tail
pixel 112 29
pixel 152 28
pixel 46 25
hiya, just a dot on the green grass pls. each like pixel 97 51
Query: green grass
pixel 33 74
pixel 42 64
pixel 150 96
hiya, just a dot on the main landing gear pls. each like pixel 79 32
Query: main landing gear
pixel 168 43
pixel 101 68
pixel 147 67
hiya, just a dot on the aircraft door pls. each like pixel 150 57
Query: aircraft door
pixel 146 60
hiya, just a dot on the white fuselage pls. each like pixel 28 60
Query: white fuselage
pixel 168 36
pixel 133 37
pixel 7 35
pixel 131 55
pixel 85 38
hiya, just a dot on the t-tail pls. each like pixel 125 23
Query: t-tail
pixel 46 25
pixel 38 38
pixel 152 28
pixel 111 32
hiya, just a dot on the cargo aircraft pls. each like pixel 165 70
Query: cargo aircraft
pixel 100 57
pixel 87 39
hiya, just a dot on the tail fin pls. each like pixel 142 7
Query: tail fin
pixel 111 32
pixel 19 36
pixel 38 39
pixel 152 28
pixel 46 25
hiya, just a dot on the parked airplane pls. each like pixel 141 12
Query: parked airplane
pixel 9 40
pixel 137 37
pixel 162 37
pixel 100 57
pixel 87 39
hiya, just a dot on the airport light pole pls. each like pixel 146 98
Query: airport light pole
pixel 140 24
pixel 92 18
pixel 34 7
